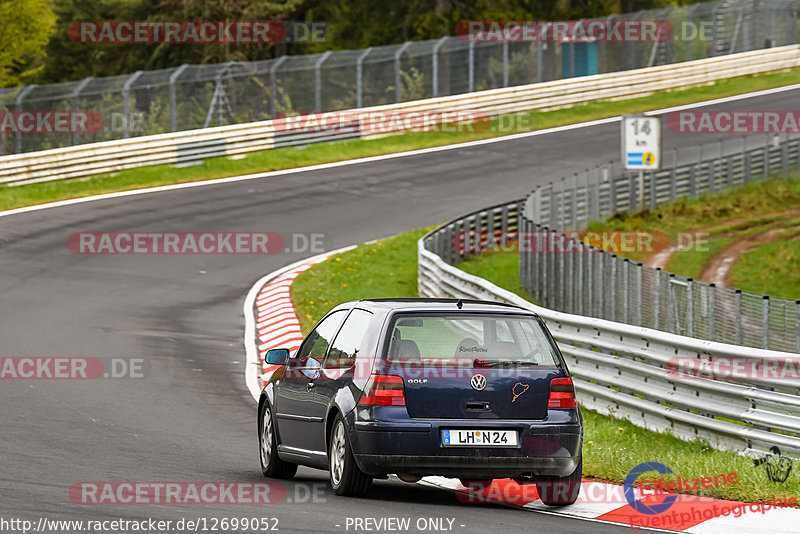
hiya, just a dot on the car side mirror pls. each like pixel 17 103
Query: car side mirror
pixel 277 356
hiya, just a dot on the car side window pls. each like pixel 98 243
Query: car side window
pixel 313 350
pixel 348 341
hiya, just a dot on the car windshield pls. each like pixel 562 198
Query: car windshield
pixel 484 340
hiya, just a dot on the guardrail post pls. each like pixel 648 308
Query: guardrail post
pixel 75 93
pixel 738 312
pixel 765 319
pixel 126 92
pixel 690 307
pixel 273 85
pixel 712 313
pixel 360 76
pixel 398 94
pixel 18 104
pixel 173 99
pixel 318 80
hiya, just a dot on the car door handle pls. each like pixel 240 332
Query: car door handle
pixel 310 386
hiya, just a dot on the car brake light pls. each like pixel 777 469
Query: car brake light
pixel 562 393
pixel 384 390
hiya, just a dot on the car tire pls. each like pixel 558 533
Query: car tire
pixel 561 491
pixel 271 464
pixel 346 478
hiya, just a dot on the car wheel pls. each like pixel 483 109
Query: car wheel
pixel 560 491
pixel 271 465
pixel 346 477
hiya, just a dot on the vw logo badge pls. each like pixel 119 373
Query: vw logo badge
pixel 478 382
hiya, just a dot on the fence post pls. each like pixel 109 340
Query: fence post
pixel 745 161
pixel 505 62
pixel 544 298
pixel 273 85
pixel 20 98
pixel 765 318
pixel 579 291
pixel 471 49
pixel 75 94
pixel 797 325
pixel 639 290
pixel 126 92
pixel 625 291
pixel 613 283
pixel 656 298
pixel 738 311
pixel 360 76
pixel 398 94
pixel 712 313
pixel 673 187
pixel 785 157
pixel 318 80
pixel 690 307
pixel 766 157
pixel 173 99
pixel 435 68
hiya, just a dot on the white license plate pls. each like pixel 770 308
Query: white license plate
pixel 479 438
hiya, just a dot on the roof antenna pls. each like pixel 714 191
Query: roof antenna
pixel 459 304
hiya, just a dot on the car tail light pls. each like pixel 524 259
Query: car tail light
pixel 384 390
pixel 562 393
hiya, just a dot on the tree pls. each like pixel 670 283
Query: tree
pixel 25 28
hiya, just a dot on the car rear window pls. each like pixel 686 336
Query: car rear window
pixel 492 339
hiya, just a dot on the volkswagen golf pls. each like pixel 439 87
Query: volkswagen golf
pixel 466 389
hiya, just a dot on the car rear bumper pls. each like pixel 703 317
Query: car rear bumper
pixel 415 447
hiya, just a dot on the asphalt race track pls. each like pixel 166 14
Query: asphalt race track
pixel 191 418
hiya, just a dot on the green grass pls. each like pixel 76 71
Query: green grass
pixel 691 260
pixel 746 202
pixel 284 158
pixel 770 269
pixel 386 268
pixel 612 447
pixel 499 268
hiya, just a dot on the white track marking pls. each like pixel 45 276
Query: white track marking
pixel 383 157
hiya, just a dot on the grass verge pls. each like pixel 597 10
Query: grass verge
pixel 612 447
pixel 284 158
pixel 770 269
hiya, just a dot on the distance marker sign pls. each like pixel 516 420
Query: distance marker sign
pixel 641 143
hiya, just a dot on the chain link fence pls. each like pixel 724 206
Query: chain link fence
pixel 198 96
pixel 568 275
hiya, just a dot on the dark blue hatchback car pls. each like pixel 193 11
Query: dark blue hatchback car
pixel 415 387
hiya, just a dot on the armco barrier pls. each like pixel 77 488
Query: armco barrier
pixel 196 145
pixel 622 370
pixel 637 294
